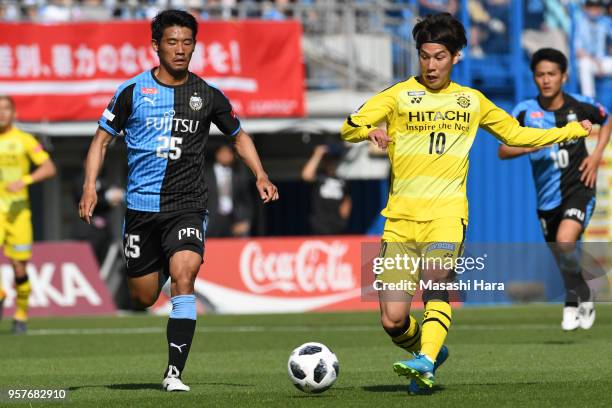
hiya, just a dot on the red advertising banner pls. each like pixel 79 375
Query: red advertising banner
pixel 64 72
pixel 281 275
pixel 65 281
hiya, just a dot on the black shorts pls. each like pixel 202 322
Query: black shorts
pixel 150 239
pixel 578 207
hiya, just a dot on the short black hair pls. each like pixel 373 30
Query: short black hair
pixel 169 18
pixel 549 54
pixel 441 28
pixel 9 99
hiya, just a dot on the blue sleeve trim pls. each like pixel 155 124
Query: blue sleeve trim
pixel 235 132
pixel 107 128
pixel 584 99
pixel 518 108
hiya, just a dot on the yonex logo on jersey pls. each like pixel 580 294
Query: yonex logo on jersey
pixel 189 232
pixel 416 99
pixel 169 122
pixel 574 212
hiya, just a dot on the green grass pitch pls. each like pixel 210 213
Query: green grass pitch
pixel 511 356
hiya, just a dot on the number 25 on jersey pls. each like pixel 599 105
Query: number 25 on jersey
pixel 169 147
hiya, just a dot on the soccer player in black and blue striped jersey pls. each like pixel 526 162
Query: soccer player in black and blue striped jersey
pixel 165 116
pixel 564 175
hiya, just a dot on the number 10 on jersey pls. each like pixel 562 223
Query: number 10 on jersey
pixel 437 143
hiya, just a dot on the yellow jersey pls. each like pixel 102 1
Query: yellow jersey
pixel 17 150
pixel 431 135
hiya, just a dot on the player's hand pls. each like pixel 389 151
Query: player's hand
pixel 587 125
pixel 379 137
pixel 588 168
pixel 267 191
pixel 320 150
pixel 15 186
pixel 88 202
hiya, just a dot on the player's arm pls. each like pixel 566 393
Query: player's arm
pixel 111 124
pixel 225 119
pixel 247 152
pixel 511 152
pixel 43 172
pixel 93 164
pixel 45 167
pixel 309 172
pixel 508 130
pixel 362 124
pixel 345 207
pixel 588 168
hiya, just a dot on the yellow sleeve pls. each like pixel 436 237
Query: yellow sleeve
pixel 34 149
pixel 507 129
pixel 377 109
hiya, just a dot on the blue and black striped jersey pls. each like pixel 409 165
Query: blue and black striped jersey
pixel 555 168
pixel 166 129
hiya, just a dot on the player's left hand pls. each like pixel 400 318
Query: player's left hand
pixel 267 191
pixel 587 125
pixel 15 186
pixel 588 168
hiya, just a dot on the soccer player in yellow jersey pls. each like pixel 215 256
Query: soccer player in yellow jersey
pixel 431 123
pixel 17 150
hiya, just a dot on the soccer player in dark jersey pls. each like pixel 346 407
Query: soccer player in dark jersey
pixel 564 175
pixel 165 115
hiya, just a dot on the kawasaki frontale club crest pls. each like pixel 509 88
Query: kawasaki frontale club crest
pixel 195 102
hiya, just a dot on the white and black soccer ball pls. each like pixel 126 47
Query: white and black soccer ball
pixel 313 367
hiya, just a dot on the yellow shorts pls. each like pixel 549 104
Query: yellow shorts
pixel 409 246
pixel 16 234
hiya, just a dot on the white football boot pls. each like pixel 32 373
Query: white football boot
pixel 586 315
pixel 173 381
pixel 570 318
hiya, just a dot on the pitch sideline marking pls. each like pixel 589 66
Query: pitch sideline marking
pixel 235 329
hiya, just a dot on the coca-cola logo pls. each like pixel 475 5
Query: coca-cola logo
pixel 316 266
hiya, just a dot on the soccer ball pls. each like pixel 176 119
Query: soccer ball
pixel 313 368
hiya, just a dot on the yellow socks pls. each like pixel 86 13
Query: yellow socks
pixel 23 294
pixel 436 321
pixel 409 340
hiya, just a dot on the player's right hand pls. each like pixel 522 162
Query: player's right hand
pixel 267 191
pixel 587 125
pixel 379 137
pixel 88 202
pixel 320 150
